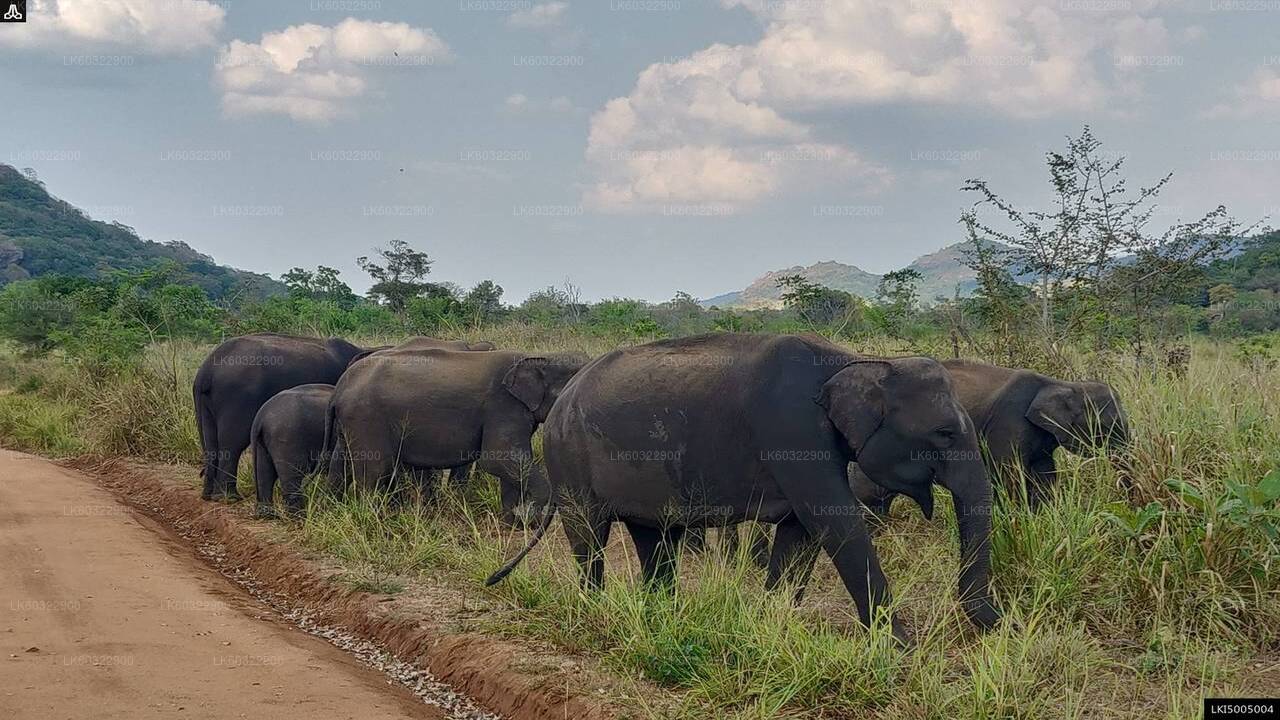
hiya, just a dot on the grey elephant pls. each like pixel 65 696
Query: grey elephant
pixel 288 444
pixel 422 342
pixel 460 473
pixel 239 376
pixel 244 372
pixel 419 411
pixel 716 429
pixel 1022 417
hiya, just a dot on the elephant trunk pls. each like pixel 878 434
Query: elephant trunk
pixel 970 488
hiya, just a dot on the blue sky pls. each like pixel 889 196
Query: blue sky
pixel 634 147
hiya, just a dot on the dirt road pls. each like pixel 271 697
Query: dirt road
pixel 105 615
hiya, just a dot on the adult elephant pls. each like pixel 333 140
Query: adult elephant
pixel 238 377
pixel 426 410
pixel 288 444
pixel 716 429
pixel 1022 417
pixel 422 342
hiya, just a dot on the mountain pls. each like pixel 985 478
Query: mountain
pixel 942 273
pixel 42 235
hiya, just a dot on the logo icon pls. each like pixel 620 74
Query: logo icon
pixel 15 11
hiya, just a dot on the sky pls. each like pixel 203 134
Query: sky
pixel 634 148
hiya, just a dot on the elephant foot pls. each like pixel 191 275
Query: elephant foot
pixel 265 512
pixel 206 495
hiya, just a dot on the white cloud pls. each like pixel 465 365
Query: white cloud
pixel 538 17
pixel 721 107
pixel 1259 95
pixel 519 103
pixel 314 72
pixel 146 27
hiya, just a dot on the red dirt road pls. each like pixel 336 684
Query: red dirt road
pixel 104 615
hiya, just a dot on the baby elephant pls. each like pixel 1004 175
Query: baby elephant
pixel 288 442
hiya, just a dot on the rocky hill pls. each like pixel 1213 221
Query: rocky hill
pixel 942 273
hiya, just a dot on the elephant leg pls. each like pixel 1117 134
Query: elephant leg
pixel 791 562
pixel 760 544
pixel 232 439
pixel 1041 475
pixel 295 501
pixel 507 454
pixel 459 475
pixel 823 504
pixel 658 553
pixel 587 537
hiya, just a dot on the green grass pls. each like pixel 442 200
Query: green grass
pixel 1150 581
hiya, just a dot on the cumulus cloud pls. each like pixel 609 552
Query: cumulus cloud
pixel 149 27
pixel 314 72
pixel 1259 95
pixel 722 108
pixel 538 17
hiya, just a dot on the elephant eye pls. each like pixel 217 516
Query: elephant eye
pixel 945 434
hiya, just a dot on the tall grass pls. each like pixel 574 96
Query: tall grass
pixel 1147 582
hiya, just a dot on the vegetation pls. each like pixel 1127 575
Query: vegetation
pixel 1149 581
pixel 42 235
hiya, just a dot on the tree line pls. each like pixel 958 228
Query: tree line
pixel 1088 270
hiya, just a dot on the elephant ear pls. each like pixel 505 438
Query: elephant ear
pixel 527 381
pixel 1058 409
pixel 854 400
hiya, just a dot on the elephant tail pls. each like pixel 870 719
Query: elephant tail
pixel 264 468
pixel 330 430
pixel 206 425
pixel 548 514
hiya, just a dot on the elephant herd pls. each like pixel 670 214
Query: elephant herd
pixel 667 437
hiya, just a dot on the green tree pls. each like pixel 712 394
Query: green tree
pixel 820 307
pixel 32 314
pixel 483 303
pixel 320 284
pixel 400 277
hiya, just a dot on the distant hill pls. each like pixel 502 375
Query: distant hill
pixel 942 273
pixel 42 235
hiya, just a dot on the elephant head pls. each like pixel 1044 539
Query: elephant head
pixel 906 430
pixel 537 381
pixel 1080 415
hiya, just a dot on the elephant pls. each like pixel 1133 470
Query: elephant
pixel 715 429
pixel 238 377
pixel 422 342
pixel 288 444
pixel 1022 417
pixel 427 410
pixel 460 473
pixel 244 372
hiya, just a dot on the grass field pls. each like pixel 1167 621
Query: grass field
pixel 1149 582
